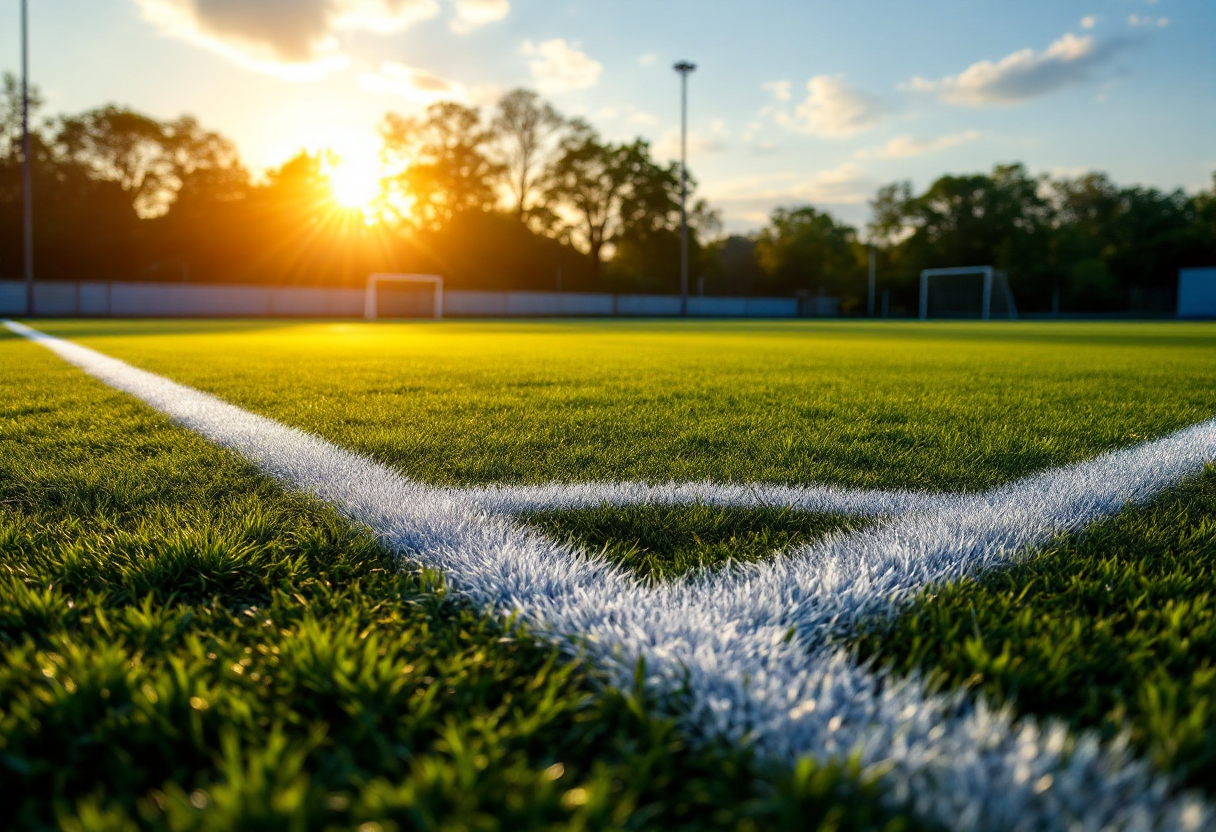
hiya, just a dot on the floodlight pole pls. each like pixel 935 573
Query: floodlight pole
pixel 27 162
pixel 684 68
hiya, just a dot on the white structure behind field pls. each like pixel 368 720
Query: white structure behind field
pixel 199 300
pixel 1197 293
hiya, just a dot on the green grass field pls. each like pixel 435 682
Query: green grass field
pixel 951 406
pixel 184 646
pixel 187 646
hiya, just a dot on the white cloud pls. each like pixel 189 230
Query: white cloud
pixel 473 14
pixel 1022 75
pixel 381 16
pixel 1089 21
pixel 847 184
pixel 412 84
pixel 752 199
pixel 1136 20
pixel 903 147
pixel 558 66
pixel 295 39
pixel 700 142
pixel 648 59
pixel 628 114
pixel 832 109
pixel 780 90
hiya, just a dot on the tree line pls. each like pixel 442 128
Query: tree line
pixel 521 197
pixel 1079 244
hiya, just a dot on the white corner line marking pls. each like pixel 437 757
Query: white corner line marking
pixel 518 499
pixel 724 639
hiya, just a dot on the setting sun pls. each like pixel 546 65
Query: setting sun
pixel 354 174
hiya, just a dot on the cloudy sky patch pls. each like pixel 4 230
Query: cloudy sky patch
pixel 291 38
pixel 1024 74
pixel 558 66
pixel 832 109
pixel 785 106
pixel 906 147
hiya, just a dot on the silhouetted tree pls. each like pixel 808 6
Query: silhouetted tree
pixel 118 194
pixel 10 116
pixel 607 192
pixel 1000 219
pixel 524 130
pixel 1101 246
pixel 1205 213
pixel 440 163
pixel 732 266
pixel 806 249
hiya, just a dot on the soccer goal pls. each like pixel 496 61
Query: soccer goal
pixel 403 296
pixel 966 292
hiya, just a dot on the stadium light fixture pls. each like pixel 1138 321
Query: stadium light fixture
pixel 685 68
pixel 27 162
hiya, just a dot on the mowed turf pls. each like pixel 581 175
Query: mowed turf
pixel 1109 629
pixel 184 646
pixel 898 405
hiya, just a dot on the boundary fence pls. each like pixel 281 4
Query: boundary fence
pixel 98 299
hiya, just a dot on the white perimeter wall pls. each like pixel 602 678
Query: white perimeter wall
pixel 179 300
pixel 1197 293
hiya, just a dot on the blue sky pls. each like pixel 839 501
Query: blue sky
pixel 794 101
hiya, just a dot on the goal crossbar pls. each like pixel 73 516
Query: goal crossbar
pixel 989 274
pixel 370 304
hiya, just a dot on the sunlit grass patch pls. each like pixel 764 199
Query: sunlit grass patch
pixel 183 645
pixel 944 406
pixel 1111 628
pixel 668 541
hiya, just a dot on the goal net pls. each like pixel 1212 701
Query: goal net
pixel 966 292
pixel 403 296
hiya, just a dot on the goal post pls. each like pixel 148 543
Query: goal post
pixel 992 296
pixel 403 307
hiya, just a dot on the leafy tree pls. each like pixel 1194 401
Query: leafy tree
pixel 1104 247
pixel 119 194
pixel 524 130
pixel 806 249
pixel 610 192
pixel 118 145
pixel 493 250
pixel 206 166
pixel 150 160
pixel 1205 214
pixel 441 163
pixel 732 266
pixel 1154 236
pixel 1133 239
pixel 10 117
pixel 1001 219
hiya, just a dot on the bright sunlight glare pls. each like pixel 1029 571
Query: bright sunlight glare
pixel 355 181
pixel 353 170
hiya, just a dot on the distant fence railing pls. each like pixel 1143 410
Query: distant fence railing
pixel 95 299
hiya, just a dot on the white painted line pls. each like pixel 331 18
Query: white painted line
pixel 518 499
pixel 724 638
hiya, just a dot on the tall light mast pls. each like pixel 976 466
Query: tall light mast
pixel 685 68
